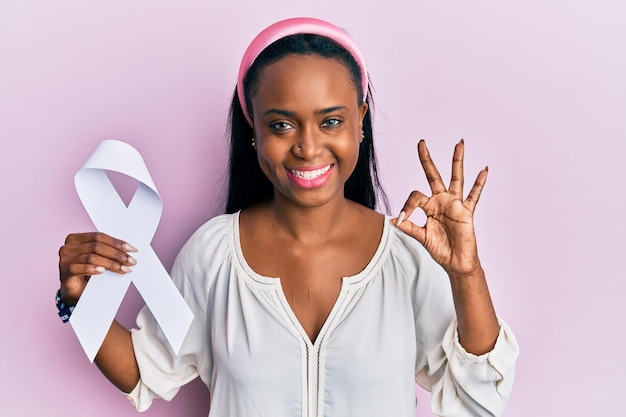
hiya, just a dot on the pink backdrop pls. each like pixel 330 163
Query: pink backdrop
pixel 536 88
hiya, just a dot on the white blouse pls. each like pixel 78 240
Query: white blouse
pixel 393 324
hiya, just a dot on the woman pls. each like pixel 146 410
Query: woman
pixel 308 302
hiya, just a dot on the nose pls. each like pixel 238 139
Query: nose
pixel 307 144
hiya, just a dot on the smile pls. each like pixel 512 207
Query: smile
pixel 310 174
pixel 310 178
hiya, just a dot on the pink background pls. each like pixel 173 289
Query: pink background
pixel 536 88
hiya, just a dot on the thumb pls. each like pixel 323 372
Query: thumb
pixel 409 228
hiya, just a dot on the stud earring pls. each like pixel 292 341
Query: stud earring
pixel 253 143
pixel 362 136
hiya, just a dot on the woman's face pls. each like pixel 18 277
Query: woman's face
pixel 307 127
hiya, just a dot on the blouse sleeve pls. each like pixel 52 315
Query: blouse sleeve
pixel 461 384
pixel 163 372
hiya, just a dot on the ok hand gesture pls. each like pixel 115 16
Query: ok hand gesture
pixel 448 234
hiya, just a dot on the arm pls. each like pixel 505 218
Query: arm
pixel 86 254
pixel 116 358
pixel 470 369
pixel 461 384
pixel 477 322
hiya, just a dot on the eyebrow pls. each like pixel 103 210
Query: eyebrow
pixel 279 112
pixel 288 113
pixel 330 110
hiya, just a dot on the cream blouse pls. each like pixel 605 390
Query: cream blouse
pixel 393 324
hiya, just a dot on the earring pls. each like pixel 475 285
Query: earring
pixel 362 136
pixel 253 143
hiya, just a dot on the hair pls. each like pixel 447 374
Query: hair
pixel 247 184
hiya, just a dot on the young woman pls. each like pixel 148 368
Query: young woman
pixel 308 302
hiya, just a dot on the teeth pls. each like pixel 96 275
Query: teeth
pixel 310 175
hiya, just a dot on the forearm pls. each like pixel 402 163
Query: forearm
pixel 477 322
pixel 116 358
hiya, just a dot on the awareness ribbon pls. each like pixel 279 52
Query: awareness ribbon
pixel 135 224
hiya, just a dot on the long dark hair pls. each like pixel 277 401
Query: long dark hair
pixel 247 184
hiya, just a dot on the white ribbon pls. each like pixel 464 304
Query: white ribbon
pixel 136 224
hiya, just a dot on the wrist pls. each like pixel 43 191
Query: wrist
pixel 467 275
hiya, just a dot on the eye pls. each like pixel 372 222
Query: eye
pixel 281 126
pixel 332 122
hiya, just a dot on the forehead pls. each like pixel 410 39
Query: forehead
pixel 300 79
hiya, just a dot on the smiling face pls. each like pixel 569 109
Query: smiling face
pixel 307 125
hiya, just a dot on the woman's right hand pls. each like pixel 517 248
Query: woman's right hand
pixel 87 254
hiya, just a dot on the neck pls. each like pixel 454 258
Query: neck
pixel 310 225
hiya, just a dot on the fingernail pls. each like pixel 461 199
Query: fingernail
pixel 401 217
pixel 130 248
pixel 462 140
pixel 126 269
pixel 132 260
pixel 99 269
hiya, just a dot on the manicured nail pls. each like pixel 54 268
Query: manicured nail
pixel 126 269
pixel 462 140
pixel 130 248
pixel 400 218
pixel 132 260
pixel 99 269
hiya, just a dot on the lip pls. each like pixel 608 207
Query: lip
pixel 311 176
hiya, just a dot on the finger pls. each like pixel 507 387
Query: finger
pixel 474 194
pixel 456 182
pixel 77 238
pixel 107 263
pixel 411 229
pixel 81 270
pixel 416 199
pixel 432 174
pixel 108 252
pixel 69 253
pixel 91 263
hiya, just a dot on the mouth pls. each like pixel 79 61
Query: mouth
pixel 310 174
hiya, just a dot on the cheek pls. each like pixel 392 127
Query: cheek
pixel 349 149
pixel 271 155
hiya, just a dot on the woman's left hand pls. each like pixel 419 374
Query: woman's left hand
pixel 448 234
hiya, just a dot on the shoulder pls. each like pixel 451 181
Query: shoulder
pixel 365 223
pixel 210 238
pixel 209 233
pixel 206 251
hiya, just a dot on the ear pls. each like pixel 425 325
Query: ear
pixel 362 112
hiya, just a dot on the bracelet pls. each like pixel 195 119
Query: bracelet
pixel 65 311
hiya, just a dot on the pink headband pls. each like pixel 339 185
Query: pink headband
pixel 290 27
